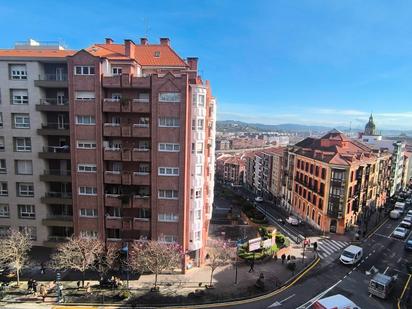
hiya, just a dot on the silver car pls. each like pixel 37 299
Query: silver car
pixel 399 232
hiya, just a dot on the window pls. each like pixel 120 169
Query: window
pixel 19 96
pixel 199 170
pixel 168 171
pixel 1 120
pixel 143 213
pixel 157 54
pixel 85 120
pixel 31 231
pixel 86 144
pixel 85 95
pixel 168 218
pixel 168 194
pixel 4 191
pixel 88 234
pixel 198 214
pixel 197 235
pixel 18 71
pixel 323 173
pixel 25 189
pixel 26 211
pixel 114 212
pixel 201 101
pixel 21 121
pixel 172 122
pixel 4 231
pixel 4 211
pixel 168 238
pixel 113 233
pixel 199 147
pixel 23 167
pixel 84 70
pixel 86 212
pixel 22 144
pixel 86 168
pixel 3 168
pixel 173 97
pixel 169 147
pixel 87 191
pixel 116 71
pixel 198 193
pixel 200 124
pixel 1 143
pixel 116 96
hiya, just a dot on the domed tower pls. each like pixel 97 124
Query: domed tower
pixel 370 128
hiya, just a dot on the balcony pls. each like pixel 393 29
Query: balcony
pixel 140 201
pixel 52 81
pixel 141 154
pixel 141 178
pixel 53 105
pixel 55 129
pixel 58 220
pixel 126 81
pixel 60 198
pixel 140 130
pixel 111 129
pixel 114 177
pixel 140 106
pixel 56 175
pixel 112 200
pixel 55 152
pixel 111 105
pixel 112 154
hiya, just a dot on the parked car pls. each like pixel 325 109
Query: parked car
pixel 408 244
pixel 259 199
pixel 405 224
pixel 293 220
pixel 408 218
pixel 400 232
pixel 409 213
pixel 394 214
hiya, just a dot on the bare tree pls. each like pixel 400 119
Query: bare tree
pixel 78 254
pixel 219 254
pixel 155 257
pixel 107 259
pixel 14 251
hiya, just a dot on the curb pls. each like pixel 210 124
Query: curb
pixel 287 284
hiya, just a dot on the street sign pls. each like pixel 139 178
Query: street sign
pixel 254 244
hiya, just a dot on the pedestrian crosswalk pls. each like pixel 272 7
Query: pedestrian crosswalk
pixel 326 247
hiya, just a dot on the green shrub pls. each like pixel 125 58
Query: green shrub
pixel 280 239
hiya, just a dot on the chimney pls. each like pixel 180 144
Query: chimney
pixel 165 41
pixel 109 41
pixel 143 41
pixel 192 62
pixel 129 48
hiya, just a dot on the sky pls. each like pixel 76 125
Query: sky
pixel 321 62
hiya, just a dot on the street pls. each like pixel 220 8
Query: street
pixel 381 253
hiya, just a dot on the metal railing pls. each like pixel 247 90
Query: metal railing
pixel 141 100
pixel 57 172
pixel 59 194
pixel 57 149
pixel 54 101
pixel 58 238
pixel 53 77
pixel 55 125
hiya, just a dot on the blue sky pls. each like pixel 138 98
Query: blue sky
pixel 327 62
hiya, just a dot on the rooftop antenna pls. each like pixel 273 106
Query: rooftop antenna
pixel 146 27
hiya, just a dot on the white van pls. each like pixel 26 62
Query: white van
pixel 400 207
pixel 337 301
pixel 395 214
pixel 351 255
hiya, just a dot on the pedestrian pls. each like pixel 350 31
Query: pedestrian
pixel 252 265
pixel 283 257
pixel 288 258
pixel 30 285
pixel 315 246
pixel 43 291
pixel 42 268
pixel 35 287
pixel 60 292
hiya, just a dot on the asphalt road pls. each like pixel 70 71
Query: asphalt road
pixel 381 252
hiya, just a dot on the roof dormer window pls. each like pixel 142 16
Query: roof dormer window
pixel 157 54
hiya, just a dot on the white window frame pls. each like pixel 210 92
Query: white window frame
pixel 88 212
pixel 26 170
pixel 198 235
pixel 197 148
pixel 117 212
pixel 2 148
pixel 19 96
pixel 89 191
pixel 116 71
pixel 168 239
pixel 25 147
pixel 170 97
pixel 173 147
pixel 26 211
pixel 18 71
pixel 168 194
pixel 29 230
pixel 84 70
pixel 3 166
pixel 199 170
pixel 4 211
pixel 84 144
pixel 86 120
pixel 169 122
pixel 90 234
pixel 168 171
pixel 25 189
pixel 167 217
pixel 85 95
pixel 21 121
pixel 4 188
pixel 86 168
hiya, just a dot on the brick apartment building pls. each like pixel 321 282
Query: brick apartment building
pixel 114 141
pixel 231 169
pixel 337 182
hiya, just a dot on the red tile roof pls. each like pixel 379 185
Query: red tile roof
pixel 36 53
pixel 144 54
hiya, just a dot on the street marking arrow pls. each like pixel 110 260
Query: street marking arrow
pixel 279 303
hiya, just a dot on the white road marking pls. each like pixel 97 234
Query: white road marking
pixel 317 297
pixel 400 259
pixel 386 270
pixel 279 303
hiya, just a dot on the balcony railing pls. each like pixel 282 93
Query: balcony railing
pixel 59 194
pixel 53 77
pixel 54 101
pixel 57 126
pixel 57 149
pixel 141 100
pixel 58 238
pixel 57 172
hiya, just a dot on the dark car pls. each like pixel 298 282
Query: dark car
pixel 408 244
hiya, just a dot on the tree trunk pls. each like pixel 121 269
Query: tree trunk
pixel 211 277
pixel 18 276
pixel 155 279
pixel 83 279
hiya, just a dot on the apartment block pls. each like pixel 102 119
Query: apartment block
pixel 338 182
pixel 121 141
